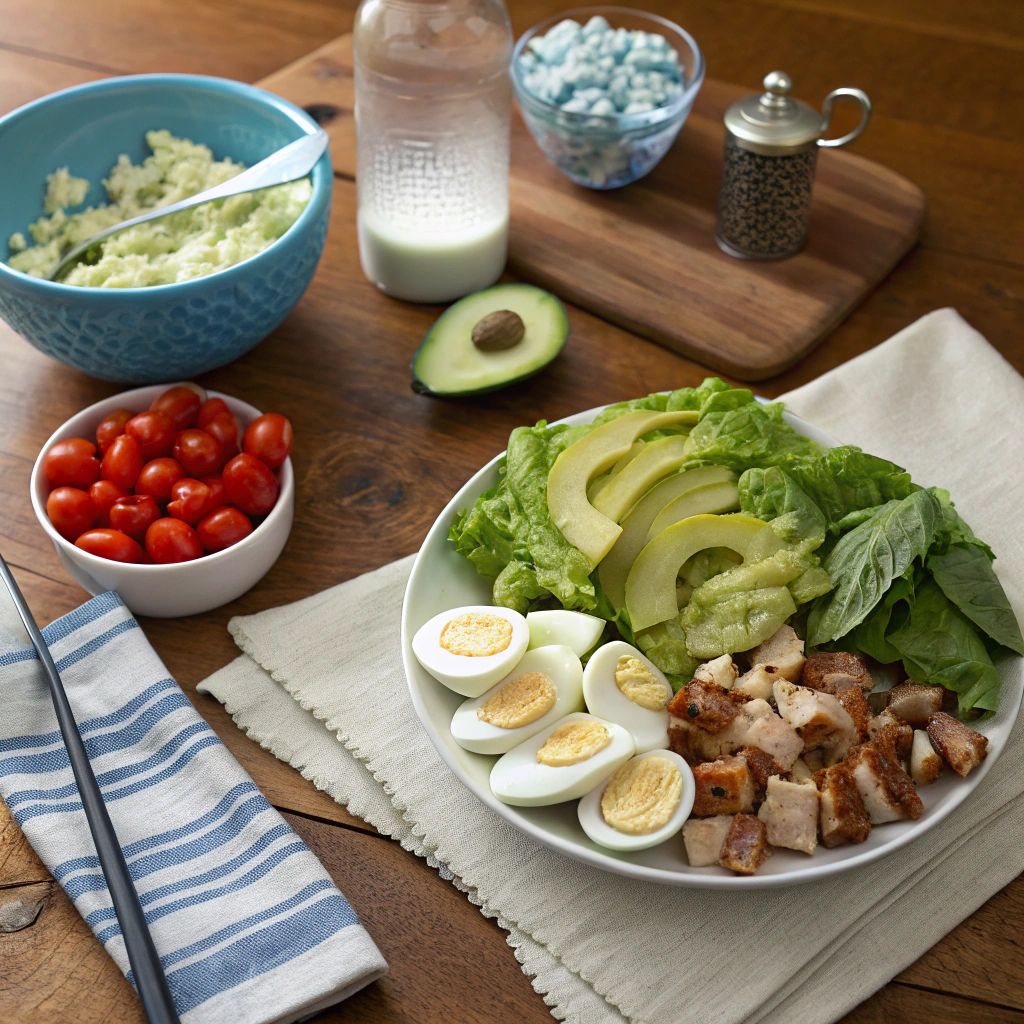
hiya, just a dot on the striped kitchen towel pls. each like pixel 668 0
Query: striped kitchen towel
pixel 249 926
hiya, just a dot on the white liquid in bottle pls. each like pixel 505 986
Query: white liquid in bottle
pixel 433 104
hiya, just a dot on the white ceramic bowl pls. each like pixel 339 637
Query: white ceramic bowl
pixel 442 579
pixel 182 588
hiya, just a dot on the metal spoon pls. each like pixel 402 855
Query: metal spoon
pixel 142 955
pixel 289 163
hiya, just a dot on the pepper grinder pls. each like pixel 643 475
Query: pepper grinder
pixel 771 149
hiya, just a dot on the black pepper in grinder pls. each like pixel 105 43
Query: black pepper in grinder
pixel 771 148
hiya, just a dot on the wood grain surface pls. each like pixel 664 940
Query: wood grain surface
pixel 376 463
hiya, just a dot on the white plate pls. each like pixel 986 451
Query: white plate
pixel 442 579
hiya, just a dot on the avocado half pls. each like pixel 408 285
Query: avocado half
pixel 448 363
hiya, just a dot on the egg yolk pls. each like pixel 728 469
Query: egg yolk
pixel 520 702
pixel 642 795
pixel 476 635
pixel 573 742
pixel 639 684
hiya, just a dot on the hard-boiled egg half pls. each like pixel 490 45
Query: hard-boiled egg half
pixel 562 762
pixel 470 649
pixel 642 804
pixel 558 626
pixel 624 687
pixel 545 686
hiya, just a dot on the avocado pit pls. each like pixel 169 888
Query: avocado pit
pixel 500 330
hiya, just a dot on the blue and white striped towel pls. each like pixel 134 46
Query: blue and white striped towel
pixel 249 925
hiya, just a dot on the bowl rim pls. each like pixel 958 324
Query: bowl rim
pixel 610 122
pixel 321 178
pixel 37 483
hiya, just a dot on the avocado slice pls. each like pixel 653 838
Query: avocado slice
pixel 449 362
pixel 627 487
pixel 651 584
pixel 710 489
pixel 570 509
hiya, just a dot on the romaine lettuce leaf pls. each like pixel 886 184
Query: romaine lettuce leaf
pixel 773 495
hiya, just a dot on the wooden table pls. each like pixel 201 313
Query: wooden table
pixel 375 463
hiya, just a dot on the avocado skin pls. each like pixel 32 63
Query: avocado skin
pixel 421 387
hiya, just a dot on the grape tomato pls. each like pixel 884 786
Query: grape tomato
pixel 158 477
pixel 112 544
pixel 191 500
pixel 154 432
pixel 181 403
pixel 72 511
pixel 134 514
pixel 111 426
pixel 210 408
pixel 171 540
pixel 104 493
pixel 222 528
pixel 72 463
pixel 198 453
pixel 269 439
pixel 224 430
pixel 122 462
pixel 249 485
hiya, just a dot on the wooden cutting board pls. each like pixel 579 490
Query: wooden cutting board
pixel 645 257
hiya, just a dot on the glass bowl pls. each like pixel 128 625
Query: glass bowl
pixel 604 151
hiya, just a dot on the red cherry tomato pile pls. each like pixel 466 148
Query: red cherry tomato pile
pixel 169 484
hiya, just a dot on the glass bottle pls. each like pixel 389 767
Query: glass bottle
pixel 433 103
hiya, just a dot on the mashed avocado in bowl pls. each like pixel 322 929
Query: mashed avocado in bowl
pixel 179 247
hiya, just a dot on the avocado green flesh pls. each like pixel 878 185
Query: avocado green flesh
pixel 448 363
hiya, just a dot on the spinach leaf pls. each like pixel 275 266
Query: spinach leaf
pixel 939 646
pixel 866 560
pixel 889 615
pixel 966 577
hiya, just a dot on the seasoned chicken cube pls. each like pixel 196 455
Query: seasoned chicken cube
pixel 915 703
pixel 762 767
pixel 704 839
pixel 781 655
pixel 776 738
pixel 746 845
pixel 886 789
pixel 703 704
pixel 790 814
pixel 925 764
pixel 962 747
pixel 721 671
pixel 802 771
pixel 696 744
pixel 755 683
pixel 900 734
pixel 722 787
pixel 833 671
pixel 843 818
pixel 856 706
pixel 818 717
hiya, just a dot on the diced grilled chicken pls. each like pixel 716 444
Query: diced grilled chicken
pixel 887 790
pixel 781 655
pixel 801 771
pixel 843 818
pixel 925 764
pixel 856 706
pixel 722 787
pixel 703 704
pixel 833 671
pixel 790 814
pixel 915 703
pixel 720 671
pixel 818 717
pixel 777 739
pixel 762 767
pixel 704 839
pixel 962 748
pixel 746 845
pixel 756 683
pixel 696 744
pixel 900 734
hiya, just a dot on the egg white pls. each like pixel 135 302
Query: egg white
pixel 518 778
pixel 592 820
pixel 464 674
pixel 558 626
pixel 560 665
pixel 605 700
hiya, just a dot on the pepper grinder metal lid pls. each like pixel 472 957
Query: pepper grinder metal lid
pixel 771 148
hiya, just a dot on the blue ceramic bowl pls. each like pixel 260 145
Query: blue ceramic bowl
pixel 167 332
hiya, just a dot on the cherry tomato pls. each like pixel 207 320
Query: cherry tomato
pixel 72 463
pixel 249 485
pixel 198 453
pixel 222 528
pixel 191 501
pixel 210 408
pixel 223 428
pixel 110 427
pixel 104 493
pixel 134 514
pixel 71 511
pixel 154 431
pixel 171 540
pixel 269 438
pixel 181 404
pixel 122 462
pixel 157 478
pixel 217 495
pixel 112 544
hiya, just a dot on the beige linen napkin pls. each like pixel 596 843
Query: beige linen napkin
pixel 936 398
